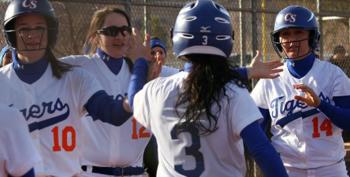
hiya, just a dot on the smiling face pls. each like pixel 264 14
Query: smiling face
pixel 295 42
pixel 31 37
pixel 115 46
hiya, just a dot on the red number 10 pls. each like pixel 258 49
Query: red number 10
pixel 66 131
pixel 325 126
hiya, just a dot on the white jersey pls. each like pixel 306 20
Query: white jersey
pixel 106 145
pixel 218 154
pixel 52 108
pixel 168 71
pixel 303 135
pixel 17 152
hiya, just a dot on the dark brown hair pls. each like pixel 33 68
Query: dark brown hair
pixel 205 86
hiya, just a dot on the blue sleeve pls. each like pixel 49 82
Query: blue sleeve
pixel 243 71
pixel 30 173
pixel 339 113
pixel 262 151
pixel 103 107
pixel 138 79
pixel 266 122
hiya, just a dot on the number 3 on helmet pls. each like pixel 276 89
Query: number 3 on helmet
pixel 203 27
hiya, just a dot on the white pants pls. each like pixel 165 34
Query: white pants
pixel 335 170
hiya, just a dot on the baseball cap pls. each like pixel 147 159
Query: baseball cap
pixel 156 42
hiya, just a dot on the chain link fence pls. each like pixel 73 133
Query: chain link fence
pixel 253 22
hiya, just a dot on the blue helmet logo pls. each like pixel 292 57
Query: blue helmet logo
pixel 290 17
pixel 31 4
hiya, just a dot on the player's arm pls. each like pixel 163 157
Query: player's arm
pixel 103 107
pixel 262 151
pixel 338 113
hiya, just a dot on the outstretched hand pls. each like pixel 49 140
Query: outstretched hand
pixel 258 69
pixel 309 97
pixel 138 47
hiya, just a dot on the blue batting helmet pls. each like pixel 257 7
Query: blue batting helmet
pixel 295 17
pixel 21 7
pixel 203 27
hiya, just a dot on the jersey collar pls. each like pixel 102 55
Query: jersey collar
pixel 299 68
pixel 30 72
pixel 114 64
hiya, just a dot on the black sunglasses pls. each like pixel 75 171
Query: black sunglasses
pixel 114 30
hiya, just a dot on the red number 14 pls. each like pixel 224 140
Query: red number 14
pixel 325 126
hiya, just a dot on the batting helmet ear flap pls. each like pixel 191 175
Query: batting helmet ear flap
pixel 314 39
pixel 275 42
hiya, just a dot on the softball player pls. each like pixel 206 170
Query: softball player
pixel 199 117
pixel 159 54
pixel 108 150
pixel 17 152
pixel 53 95
pixel 308 105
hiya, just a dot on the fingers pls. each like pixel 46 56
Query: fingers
pixel 147 44
pixel 301 98
pixel 302 87
pixel 258 54
pixel 274 63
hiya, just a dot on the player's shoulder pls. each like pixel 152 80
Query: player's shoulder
pixel 78 73
pixel 327 67
pixel 168 71
pixel 166 84
pixel 78 60
pixel 233 90
pixel 10 117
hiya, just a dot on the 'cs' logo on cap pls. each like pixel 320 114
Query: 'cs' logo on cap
pixel 31 4
pixel 290 17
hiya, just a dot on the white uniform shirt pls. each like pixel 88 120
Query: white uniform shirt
pixel 218 154
pixel 104 144
pixel 309 139
pixel 52 108
pixel 168 71
pixel 17 152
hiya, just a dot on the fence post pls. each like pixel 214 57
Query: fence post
pixel 318 10
pixel 242 27
pixel 127 6
pixel 254 27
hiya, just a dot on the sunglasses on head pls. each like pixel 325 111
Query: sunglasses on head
pixel 114 30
